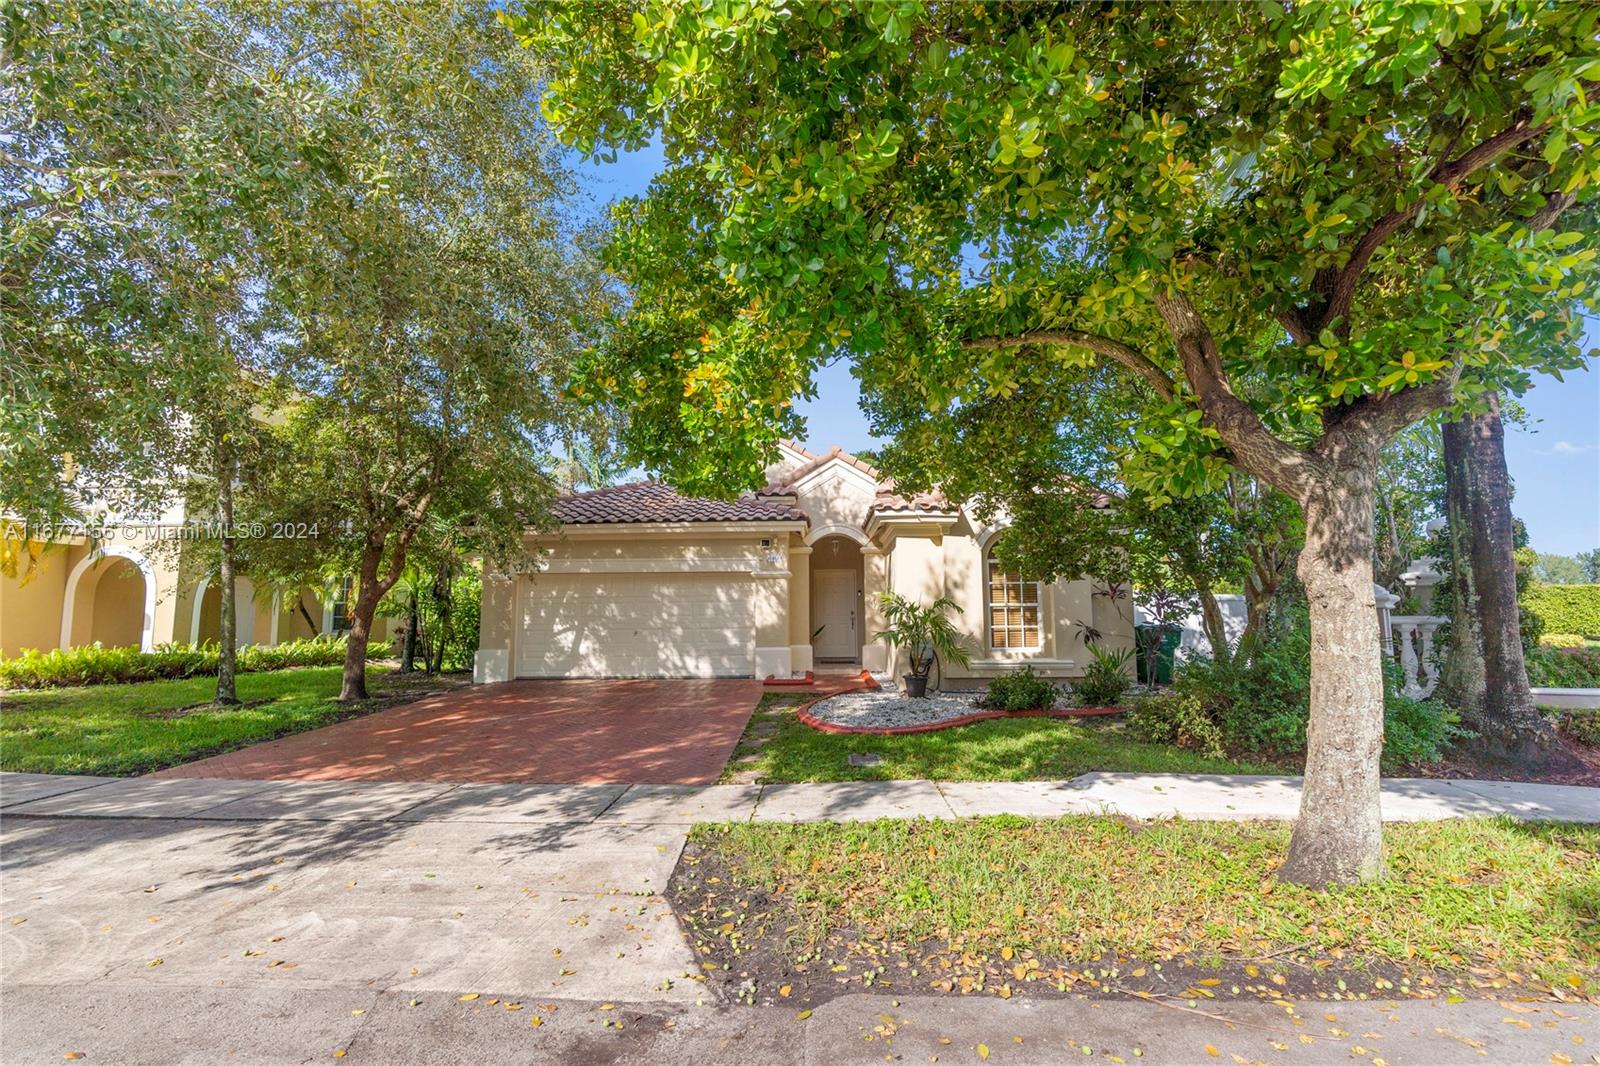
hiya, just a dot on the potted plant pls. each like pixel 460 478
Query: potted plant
pixel 926 634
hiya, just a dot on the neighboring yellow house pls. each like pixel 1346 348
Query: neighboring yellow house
pixel 644 582
pixel 121 592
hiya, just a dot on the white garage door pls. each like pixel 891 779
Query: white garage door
pixel 637 625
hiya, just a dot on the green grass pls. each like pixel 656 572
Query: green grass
pixel 120 730
pixel 1003 749
pixel 1498 895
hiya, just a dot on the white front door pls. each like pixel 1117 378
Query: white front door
pixel 835 611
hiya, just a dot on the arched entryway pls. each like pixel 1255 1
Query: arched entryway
pixel 110 599
pixel 838 614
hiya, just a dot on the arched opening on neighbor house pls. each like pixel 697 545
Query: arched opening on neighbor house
pixel 110 597
pixel 838 613
pixel 207 613
pixel 118 605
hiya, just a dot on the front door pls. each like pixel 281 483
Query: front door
pixel 836 611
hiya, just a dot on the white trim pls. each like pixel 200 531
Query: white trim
pixel 852 470
pixel 745 565
pixel 850 532
pixel 194 608
pixel 147 631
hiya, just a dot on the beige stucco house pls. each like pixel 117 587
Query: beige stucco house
pixel 643 582
pixel 124 588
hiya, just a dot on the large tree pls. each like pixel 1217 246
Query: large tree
pixel 1303 227
pixel 435 308
pixel 148 151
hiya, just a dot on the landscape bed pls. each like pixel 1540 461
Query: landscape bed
pixel 1101 907
pixel 875 713
pixel 778 746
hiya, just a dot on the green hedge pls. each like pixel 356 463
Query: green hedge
pixel 95 665
pixel 1566 608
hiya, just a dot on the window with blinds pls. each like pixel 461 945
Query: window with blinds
pixel 1014 610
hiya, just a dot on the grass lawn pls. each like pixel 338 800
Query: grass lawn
pixel 1003 902
pixel 999 749
pixel 123 730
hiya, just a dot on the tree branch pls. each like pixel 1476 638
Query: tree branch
pixel 1254 447
pixel 1337 286
pixel 1129 357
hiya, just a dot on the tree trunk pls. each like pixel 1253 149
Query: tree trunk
pixel 354 686
pixel 1216 628
pixel 1462 683
pixel 408 654
pixel 1338 837
pixel 227 627
pixel 1488 678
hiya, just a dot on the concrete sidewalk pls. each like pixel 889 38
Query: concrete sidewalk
pixel 1192 796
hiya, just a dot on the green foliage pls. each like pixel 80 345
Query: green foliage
pixel 1264 705
pixel 1563 667
pixel 1105 679
pixel 1565 608
pixel 1179 719
pixel 923 633
pixel 1087 168
pixel 95 665
pixel 1582 725
pixel 1020 690
pixel 1550 568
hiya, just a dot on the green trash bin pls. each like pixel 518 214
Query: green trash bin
pixel 1170 638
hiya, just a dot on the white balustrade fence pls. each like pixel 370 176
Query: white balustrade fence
pixel 1412 639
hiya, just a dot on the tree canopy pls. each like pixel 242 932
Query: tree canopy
pixel 1297 229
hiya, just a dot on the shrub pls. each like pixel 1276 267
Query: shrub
pixel 1021 691
pixel 1180 719
pixel 96 665
pixel 1566 608
pixel 1564 667
pixel 1562 640
pixel 1263 706
pixel 1582 725
pixel 1417 731
pixel 1105 679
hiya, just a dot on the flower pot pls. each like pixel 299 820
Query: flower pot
pixel 916 687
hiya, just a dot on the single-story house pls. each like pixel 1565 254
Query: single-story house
pixel 641 581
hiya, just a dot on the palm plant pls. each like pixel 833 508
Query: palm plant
pixel 925 633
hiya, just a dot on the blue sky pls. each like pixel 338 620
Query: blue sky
pixel 1554 458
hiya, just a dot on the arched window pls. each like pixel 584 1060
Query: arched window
pixel 1015 609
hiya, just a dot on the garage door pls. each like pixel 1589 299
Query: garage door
pixel 637 625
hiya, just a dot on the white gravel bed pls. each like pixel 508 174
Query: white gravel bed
pixel 879 710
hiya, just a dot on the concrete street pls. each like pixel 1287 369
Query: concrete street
pixel 278 922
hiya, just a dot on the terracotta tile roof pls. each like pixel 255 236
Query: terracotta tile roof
pixel 831 454
pixel 652 501
pixel 889 498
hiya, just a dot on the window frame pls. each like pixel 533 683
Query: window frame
pixel 1010 579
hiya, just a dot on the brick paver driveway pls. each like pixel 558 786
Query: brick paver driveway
pixel 640 732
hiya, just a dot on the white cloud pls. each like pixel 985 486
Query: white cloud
pixel 1567 448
